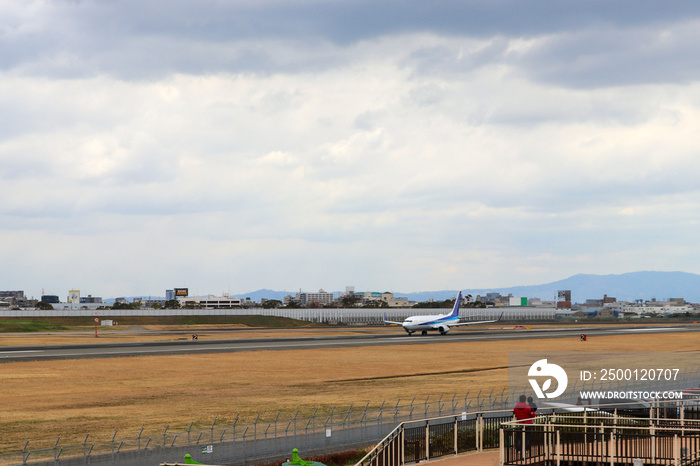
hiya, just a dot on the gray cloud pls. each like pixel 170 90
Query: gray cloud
pixel 138 40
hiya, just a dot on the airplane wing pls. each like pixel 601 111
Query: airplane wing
pixel 391 322
pixel 479 322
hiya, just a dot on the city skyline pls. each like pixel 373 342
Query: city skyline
pixel 633 286
pixel 402 146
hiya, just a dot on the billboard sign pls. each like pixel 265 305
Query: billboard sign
pixel 184 292
pixel 74 296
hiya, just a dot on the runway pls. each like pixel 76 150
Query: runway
pixel 114 350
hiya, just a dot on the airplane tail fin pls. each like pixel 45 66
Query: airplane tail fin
pixel 455 309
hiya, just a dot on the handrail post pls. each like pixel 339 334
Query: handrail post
pixel 427 440
pixel 403 445
pixel 545 436
pixel 682 419
pixel 455 434
pixel 480 421
pixel 676 450
pixel 502 443
pixel 613 449
pixel 558 447
pixel 478 433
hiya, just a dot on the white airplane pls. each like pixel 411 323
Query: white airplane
pixel 442 323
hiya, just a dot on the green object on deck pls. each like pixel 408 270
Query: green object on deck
pixel 296 461
pixel 189 460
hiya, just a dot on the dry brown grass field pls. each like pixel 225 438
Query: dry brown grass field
pixel 71 398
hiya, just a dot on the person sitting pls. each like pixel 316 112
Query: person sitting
pixel 523 412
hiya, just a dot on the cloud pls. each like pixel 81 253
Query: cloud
pixel 136 40
pixel 322 144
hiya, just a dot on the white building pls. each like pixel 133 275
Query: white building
pixel 627 309
pixel 321 298
pixel 210 301
pixel 394 301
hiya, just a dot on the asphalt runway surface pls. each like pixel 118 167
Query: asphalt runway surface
pixel 114 350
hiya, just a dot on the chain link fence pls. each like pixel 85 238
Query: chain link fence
pixel 270 437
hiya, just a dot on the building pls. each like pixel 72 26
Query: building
pixel 564 299
pixel 393 301
pixel 321 298
pixel 149 303
pixel 649 308
pixel 11 298
pixel 210 302
pixel 16 299
pixel 368 296
pixel 12 294
pixel 90 299
pixel 73 297
pixel 76 302
pixel 517 301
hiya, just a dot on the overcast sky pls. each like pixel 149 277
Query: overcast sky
pixel 228 146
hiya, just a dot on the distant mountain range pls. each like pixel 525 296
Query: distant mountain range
pixel 625 287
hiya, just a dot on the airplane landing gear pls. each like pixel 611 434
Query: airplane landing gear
pixel 424 332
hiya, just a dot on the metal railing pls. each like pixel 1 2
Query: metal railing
pixel 415 441
pixel 573 436
pixel 565 439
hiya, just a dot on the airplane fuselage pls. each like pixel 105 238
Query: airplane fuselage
pixel 441 323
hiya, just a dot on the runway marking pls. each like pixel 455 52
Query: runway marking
pixel 21 351
pixel 653 329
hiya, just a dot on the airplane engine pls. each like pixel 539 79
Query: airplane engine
pixel 443 329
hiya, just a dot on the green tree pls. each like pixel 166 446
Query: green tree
pixel 436 304
pixel 172 304
pixel 350 300
pixel 117 305
pixel 375 304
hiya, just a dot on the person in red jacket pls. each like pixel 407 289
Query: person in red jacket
pixel 524 414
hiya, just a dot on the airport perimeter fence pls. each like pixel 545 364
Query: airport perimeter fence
pixel 269 437
pixel 333 316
